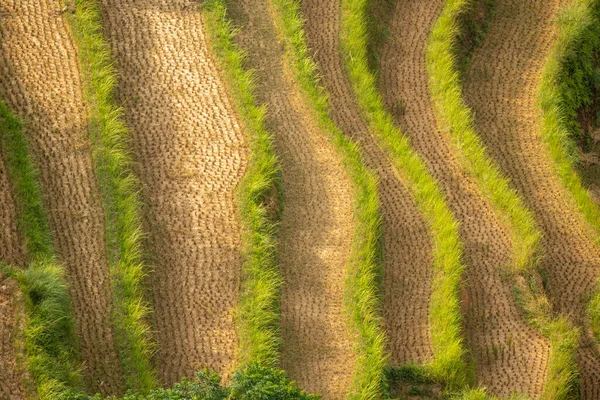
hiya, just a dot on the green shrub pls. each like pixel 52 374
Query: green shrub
pixel 252 383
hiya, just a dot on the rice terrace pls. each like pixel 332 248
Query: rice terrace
pixel 299 199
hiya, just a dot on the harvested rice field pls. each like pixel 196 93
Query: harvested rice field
pixel 299 199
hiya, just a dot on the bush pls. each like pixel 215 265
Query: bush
pixel 253 383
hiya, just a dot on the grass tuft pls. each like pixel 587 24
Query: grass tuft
pixel 119 189
pixel 362 298
pixel 449 364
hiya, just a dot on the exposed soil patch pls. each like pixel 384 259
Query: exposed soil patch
pixel 407 247
pixel 191 153
pixel 40 81
pixel 510 356
pixel 317 224
pixel 501 87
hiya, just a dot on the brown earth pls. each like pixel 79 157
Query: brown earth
pixel 192 154
pixel 510 356
pixel 501 86
pixel 407 249
pixel 12 374
pixel 40 81
pixel 317 225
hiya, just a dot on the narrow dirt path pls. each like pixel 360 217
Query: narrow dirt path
pixel 407 250
pixel 317 227
pixel 12 252
pixel 192 154
pixel 40 81
pixel 510 356
pixel 501 87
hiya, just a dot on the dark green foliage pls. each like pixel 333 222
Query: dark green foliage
pixel 579 82
pixel 253 383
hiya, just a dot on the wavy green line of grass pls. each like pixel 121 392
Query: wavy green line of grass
pixel 456 117
pixel 559 97
pixel 449 365
pixel 258 309
pixel 49 340
pixel 362 298
pixel 120 194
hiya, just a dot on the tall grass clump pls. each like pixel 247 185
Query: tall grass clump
pixel 49 340
pixel 566 86
pixel 449 365
pixel 455 117
pixel 362 296
pixel 120 195
pixel 258 309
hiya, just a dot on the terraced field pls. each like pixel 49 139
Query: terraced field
pixel 315 234
pixel 279 198
pixel 40 81
pixel 407 247
pixel 501 88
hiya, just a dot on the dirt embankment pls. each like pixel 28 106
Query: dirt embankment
pixel 40 81
pixel 317 227
pixel 501 87
pixel 12 377
pixel 510 356
pixel 191 153
pixel 407 245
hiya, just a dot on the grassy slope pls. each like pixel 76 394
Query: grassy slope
pixel 559 99
pixel 449 365
pixel 455 116
pixel 50 346
pixel 119 190
pixel 362 297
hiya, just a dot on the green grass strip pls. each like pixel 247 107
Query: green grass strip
pixel 362 298
pixel 449 365
pixel 455 117
pixel 119 189
pixel 50 347
pixel 258 310
pixel 577 26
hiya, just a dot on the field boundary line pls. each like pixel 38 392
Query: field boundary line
pixel 362 297
pixel 120 196
pixel 456 117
